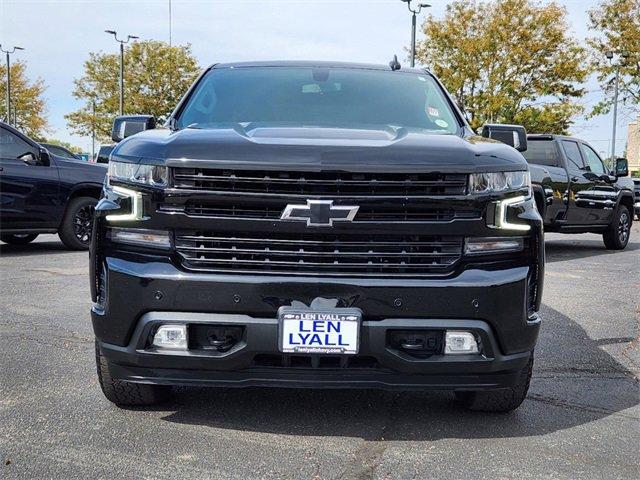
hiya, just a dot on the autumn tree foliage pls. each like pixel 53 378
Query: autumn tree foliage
pixel 28 108
pixel 508 61
pixel 616 25
pixel 156 76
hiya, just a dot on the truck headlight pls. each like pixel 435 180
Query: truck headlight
pixel 151 175
pixel 499 182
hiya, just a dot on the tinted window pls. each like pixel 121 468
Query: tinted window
pixel 103 154
pixel 593 160
pixel 61 152
pixel 542 152
pixel 572 151
pixel 305 96
pixel 12 146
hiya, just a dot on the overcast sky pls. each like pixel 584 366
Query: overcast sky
pixel 58 34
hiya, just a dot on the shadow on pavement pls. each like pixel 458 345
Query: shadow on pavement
pixel 562 250
pixel 34 248
pixel 574 383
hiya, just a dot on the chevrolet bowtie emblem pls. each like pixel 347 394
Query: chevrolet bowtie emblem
pixel 319 213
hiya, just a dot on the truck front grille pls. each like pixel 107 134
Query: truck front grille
pixel 390 212
pixel 319 253
pixel 319 183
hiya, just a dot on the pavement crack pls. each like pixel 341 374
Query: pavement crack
pixel 558 402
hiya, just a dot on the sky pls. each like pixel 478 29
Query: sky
pixel 58 35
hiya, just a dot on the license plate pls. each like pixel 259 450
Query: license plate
pixel 334 331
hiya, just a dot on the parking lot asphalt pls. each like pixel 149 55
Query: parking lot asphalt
pixel 581 418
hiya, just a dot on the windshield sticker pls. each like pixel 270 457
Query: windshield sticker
pixel 433 112
pixel 441 123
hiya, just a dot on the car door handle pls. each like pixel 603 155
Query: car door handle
pixel 574 179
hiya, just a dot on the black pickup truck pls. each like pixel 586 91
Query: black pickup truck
pixel 41 192
pixel 318 225
pixel 574 191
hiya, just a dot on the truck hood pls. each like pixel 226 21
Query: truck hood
pixel 317 148
pixel 82 171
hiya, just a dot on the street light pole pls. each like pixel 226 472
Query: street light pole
pixel 93 130
pixel 8 96
pixel 616 82
pixel 414 12
pixel 122 42
pixel 615 115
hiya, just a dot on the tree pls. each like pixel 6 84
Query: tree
pixel 28 111
pixel 508 61
pixel 155 77
pixel 618 25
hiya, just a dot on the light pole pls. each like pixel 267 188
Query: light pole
pixel 414 12
pixel 93 129
pixel 8 99
pixel 609 54
pixel 122 42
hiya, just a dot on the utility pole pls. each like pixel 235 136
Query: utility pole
pixel 8 99
pixel 93 130
pixel 414 12
pixel 122 42
pixel 616 81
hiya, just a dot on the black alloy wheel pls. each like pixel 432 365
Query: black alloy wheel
pixel 83 223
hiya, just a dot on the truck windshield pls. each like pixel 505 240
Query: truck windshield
pixel 309 96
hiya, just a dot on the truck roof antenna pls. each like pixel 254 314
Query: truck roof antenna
pixel 395 64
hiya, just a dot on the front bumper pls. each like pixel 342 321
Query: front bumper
pixel 376 365
pixel 490 304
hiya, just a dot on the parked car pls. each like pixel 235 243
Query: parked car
pixel 574 191
pixel 636 192
pixel 41 192
pixel 59 151
pixel 316 225
pixel 103 153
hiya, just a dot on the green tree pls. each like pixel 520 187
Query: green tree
pixel 510 61
pixel 617 23
pixel 28 109
pixel 156 76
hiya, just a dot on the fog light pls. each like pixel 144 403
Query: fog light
pixel 172 337
pixel 480 245
pixel 457 341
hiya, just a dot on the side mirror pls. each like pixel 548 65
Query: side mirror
pixel 127 125
pixel 622 167
pixel 45 159
pixel 29 158
pixel 514 135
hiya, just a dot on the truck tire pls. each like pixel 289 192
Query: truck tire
pixel 503 400
pixel 18 239
pixel 75 230
pixel 127 393
pixel 617 235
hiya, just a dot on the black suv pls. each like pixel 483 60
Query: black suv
pixel 317 225
pixel 44 193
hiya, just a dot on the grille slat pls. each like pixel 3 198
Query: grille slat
pixel 378 213
pixel 331 254
pixel 319 183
